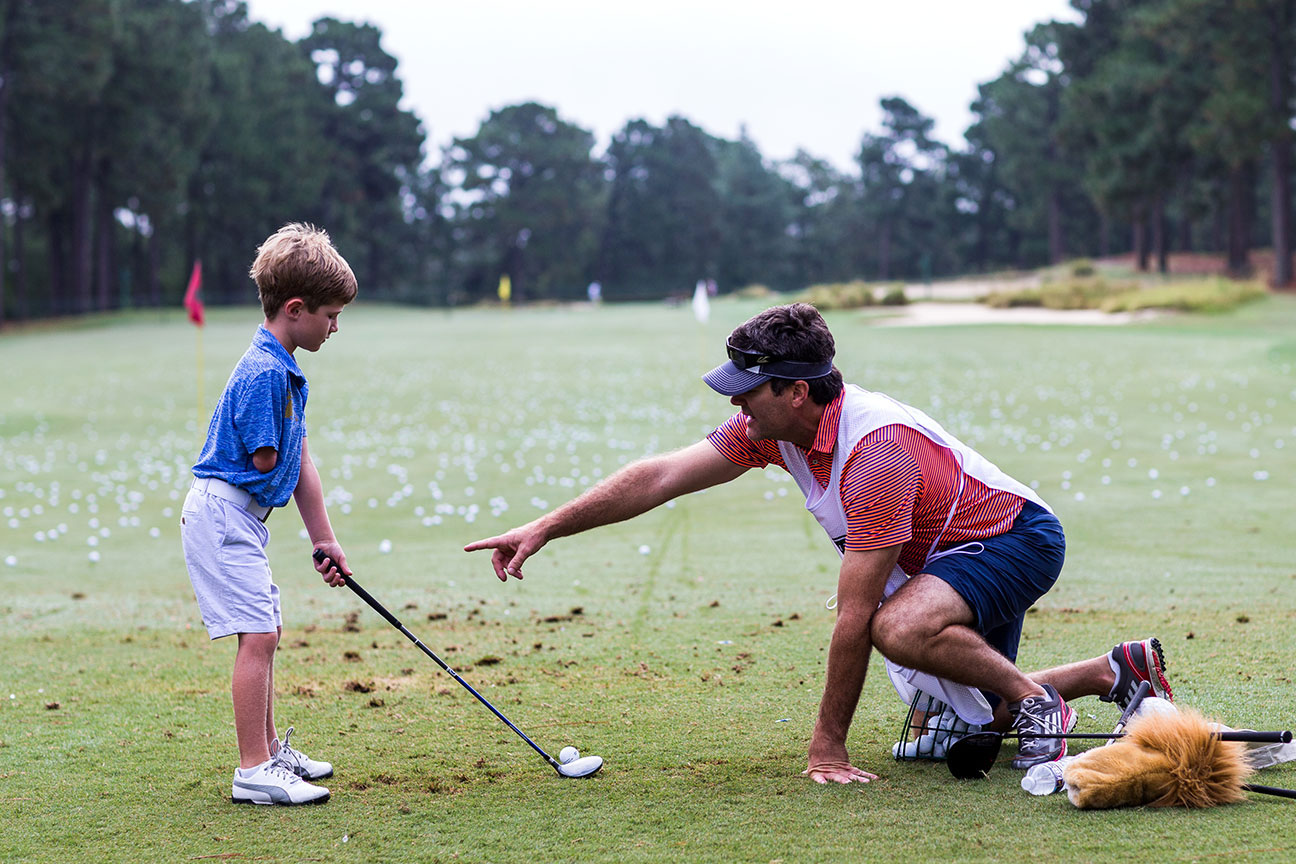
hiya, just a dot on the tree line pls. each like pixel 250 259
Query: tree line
pixel 137 136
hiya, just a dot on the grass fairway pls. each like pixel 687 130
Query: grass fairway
pixel 686 647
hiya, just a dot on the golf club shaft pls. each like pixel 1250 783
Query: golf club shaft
pixel 1135 701
pixel 395 622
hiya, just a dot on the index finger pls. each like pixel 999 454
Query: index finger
pixel 488 543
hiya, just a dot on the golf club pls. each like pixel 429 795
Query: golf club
pixel 971 757
pixel 1140 693
pixel 582 767
pixel 1269 790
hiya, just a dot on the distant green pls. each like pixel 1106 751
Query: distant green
pixel 685 647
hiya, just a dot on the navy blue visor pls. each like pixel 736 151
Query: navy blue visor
pixel 747 370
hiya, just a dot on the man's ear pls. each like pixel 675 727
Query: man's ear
pixel 294 307
pixel 800 393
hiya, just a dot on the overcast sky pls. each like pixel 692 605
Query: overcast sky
pixel 797 73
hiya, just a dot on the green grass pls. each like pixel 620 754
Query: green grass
pixel 836 296
pixel 1083 290
pixel 695 669
pixel 1201 295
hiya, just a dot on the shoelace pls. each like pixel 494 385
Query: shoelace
pixel 1029 710
pixel 1031 715
pixel 279 766
pixel 286 752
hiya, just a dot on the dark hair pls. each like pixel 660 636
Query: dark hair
pixel 795 332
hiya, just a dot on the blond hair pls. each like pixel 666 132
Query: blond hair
pixel 299 260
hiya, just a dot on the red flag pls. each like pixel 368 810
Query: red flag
pixel 192 301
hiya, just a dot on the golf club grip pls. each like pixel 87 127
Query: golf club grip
pixel 1284 737
pixel 374 604
pixel 1270 790
pixel 320 556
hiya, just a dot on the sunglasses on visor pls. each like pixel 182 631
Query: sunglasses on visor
pixel 747 359
pixel 767 364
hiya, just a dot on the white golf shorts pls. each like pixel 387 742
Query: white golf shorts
pixel 224 549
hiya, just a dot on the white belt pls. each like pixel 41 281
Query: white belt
pixel 232 493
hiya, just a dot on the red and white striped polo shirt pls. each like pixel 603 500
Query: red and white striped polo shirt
pixel 898 484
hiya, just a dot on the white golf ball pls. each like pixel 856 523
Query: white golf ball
pixel 568 754
pixel 926 746
pixel 385 547
pixel 644 549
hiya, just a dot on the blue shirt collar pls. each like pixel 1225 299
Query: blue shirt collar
pixel 269 343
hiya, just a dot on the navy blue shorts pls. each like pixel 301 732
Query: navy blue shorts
pixel 1001 577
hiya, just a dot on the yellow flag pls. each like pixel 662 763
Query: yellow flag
pixel 505 289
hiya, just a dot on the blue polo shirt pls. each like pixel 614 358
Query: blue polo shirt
pixel 263 405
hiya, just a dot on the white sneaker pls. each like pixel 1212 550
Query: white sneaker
pixel 301 764
pixel 272 782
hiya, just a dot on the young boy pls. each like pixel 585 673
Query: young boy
pixel 254 458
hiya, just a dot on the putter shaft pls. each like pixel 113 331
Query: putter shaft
pixel 395 622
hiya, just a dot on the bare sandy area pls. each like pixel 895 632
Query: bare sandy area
pixel 937 314
pixel 968 289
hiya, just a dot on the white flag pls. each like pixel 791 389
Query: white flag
pixel 701 303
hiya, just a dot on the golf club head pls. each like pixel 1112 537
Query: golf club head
pixel 585 766
pixel 972 756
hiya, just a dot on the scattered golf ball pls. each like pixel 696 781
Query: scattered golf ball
pixel 568 754
pixel 11 561
pixel 644 549
pixel 384 547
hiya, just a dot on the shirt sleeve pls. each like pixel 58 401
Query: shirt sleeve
pixel 259 412
pixel 732 442
pixel 880 485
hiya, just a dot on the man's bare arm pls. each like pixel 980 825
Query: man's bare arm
pixel 860 585
pixel 636 488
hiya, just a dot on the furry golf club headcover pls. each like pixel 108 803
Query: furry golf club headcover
pixel 1165 760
